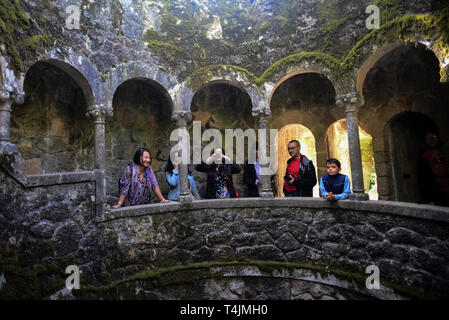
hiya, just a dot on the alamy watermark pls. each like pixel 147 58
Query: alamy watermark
pixel 191 151
pixel 373 281
pixel 72 281
pixel 373 21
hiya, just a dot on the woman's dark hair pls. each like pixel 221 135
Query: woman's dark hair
pixel 139 153
pixel 169 167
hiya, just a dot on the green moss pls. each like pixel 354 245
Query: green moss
pixel 389 10
pixel 204 75
pixel 29 282
pixel 185 274
pixel 407 28
pixel 279 65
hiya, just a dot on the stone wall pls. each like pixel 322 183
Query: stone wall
pixel 409 244
pixel 42 231
pixel 238 281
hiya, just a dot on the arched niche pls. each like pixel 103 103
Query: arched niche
pixel 405 141
pixel 307 98
pixel 142 118
pixel 338 148
pixel 305 137
pixel 404 72
pixel 223 105
pixel 51 128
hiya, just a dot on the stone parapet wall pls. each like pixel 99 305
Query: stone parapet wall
pixel 409 243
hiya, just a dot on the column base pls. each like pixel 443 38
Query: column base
pixel 359 196
pixel 266 194
pixel 185 198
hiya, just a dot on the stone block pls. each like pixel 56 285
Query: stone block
pixel 30 167
pixel 378 144
pixel 287 242
pixel 28 151
pixel 405 236
pixel 43 229
pixel 380 156
pixel 58 128
pixel 381 169
pixel 382 186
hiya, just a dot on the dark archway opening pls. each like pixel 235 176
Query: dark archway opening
pixel 51 128
pixel 404 73
pixel 142 118
pixel 221 105
pixel 406 141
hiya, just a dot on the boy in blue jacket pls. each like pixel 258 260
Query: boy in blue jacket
pixel 334 185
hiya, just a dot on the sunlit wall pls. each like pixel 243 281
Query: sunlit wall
pixel 337 143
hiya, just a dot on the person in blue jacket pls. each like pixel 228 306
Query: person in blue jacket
pixel 172 176
pixel 334 185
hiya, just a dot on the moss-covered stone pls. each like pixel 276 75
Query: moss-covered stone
pixel 29 282
pixel 189 274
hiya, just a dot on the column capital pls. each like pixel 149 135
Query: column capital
pixel 261 114
pixel 99 110
pixel 15 96
pixel 182 116
pixel 350 100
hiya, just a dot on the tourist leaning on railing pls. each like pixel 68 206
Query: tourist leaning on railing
pixel 138 181
pixel 172 176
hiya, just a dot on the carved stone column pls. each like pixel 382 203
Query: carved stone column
pixel 181 119
pixel 262 118
pixel 351 103
pixel 99 113
pixel 6 100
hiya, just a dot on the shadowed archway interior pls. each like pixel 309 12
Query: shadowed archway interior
pixel 51 128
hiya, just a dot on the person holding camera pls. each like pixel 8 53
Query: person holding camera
pixel 300 176
pixel 219 169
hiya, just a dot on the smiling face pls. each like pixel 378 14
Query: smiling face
pixel 145 159
pixel 332 169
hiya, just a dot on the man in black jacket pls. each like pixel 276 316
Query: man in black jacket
pixel 300 176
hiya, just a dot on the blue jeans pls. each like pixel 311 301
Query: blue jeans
pixel 290 194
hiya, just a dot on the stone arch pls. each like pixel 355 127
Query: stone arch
pixel 83 71
pixel 404 142
pixel 290 104
pixel 233 75
pixel 306 62
pixel 51 128
pixel 113 78
pixel 142 117
pixel 407 29
pixel 77 75
pixel 293 74
pixel 372 60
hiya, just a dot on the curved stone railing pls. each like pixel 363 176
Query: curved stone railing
pixel 409 243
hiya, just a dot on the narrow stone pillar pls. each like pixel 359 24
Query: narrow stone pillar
pixel 181 119
pixel 262 119
pixel 99 113
pixel 351 103
pixel 6 100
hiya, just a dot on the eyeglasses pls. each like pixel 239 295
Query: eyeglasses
pixel 291 148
